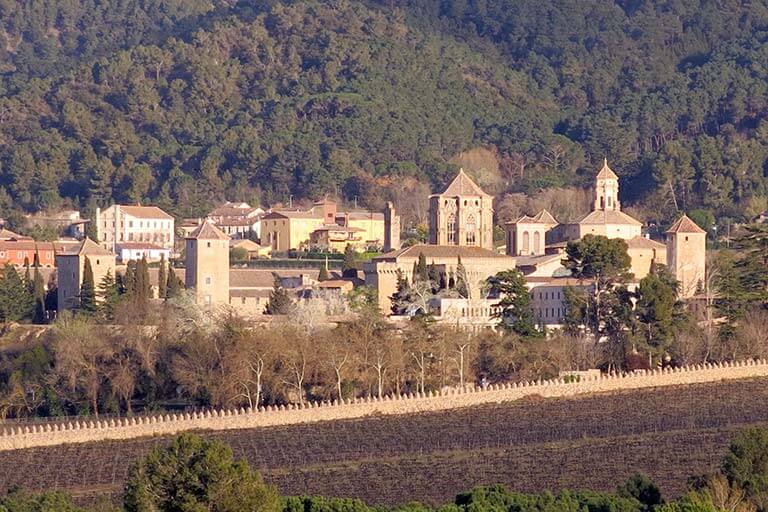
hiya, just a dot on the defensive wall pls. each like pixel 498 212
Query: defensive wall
pixel 18 436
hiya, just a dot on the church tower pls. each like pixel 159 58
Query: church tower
pixel 686 255
pixel 207 261
pixel 461 215
pixel 606 190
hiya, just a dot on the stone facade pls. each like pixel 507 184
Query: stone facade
pixel 207 265
pixel 462 215
pixel 89 430
pixel 686 255
pixel 527 236
pixel 70 268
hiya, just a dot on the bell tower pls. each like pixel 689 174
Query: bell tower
pixel 606 190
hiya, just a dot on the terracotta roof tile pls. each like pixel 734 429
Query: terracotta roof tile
pixel 207 231
pixel 145 212
pixel 685 225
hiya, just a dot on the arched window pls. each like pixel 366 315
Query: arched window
pixel 452 229
pixel 536 242
pixel 471 229
pixel 526 242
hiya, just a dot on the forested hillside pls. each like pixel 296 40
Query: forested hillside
pixel 183 103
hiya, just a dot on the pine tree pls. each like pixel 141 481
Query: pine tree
pixel 280 302
pixel 323 276
pixel 515 309
pixel 109 294
pixel 162 278
pixel 88 289
pixel 40 316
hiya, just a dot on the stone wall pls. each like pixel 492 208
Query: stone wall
pixel 18 436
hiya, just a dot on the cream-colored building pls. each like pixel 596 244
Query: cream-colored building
pixel 237 220
pixel 71 267
pixel 527 235
pixel 120 224
pixel 686 255
pixel 286 230
pixel 462 215
pixel 382 271
pixel 645 253
pixel 207 265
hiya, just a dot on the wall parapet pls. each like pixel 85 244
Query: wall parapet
pixel 82 430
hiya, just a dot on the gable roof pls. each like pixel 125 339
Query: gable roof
pixel 462 185
pixel 609 217
pixel 207 231
pixel 685 225
pixel 145 212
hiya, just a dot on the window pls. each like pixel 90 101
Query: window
pixel 609 201
pixel 208 280
pixel 207 300
pixel 471 230
pixel 452 229
pixel 208 244
pixel 130 223
pixel 536 242
pixel 526 242
pixel 98 262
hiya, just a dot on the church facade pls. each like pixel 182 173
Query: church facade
pixel 462 215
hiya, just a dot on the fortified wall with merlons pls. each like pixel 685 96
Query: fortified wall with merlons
pixel 15 436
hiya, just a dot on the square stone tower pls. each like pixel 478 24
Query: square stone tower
pixel 687 255
pixel 207 262
pixel 71 265
pixel 462 215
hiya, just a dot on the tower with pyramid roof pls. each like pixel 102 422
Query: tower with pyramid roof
pixel 70 267
pixel 462 215
pixel 207 262
pixel 686 255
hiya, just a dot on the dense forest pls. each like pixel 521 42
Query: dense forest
pixel 185 102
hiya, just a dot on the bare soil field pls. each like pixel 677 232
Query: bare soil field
pixel 591 442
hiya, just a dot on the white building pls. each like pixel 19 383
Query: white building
pixel 127 251
pixel 237 220
pixel 120 224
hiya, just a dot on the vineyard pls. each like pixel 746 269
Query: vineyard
pixel 588 442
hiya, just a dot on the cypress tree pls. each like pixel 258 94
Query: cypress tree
pixel 110 295
pixel 38 286
pixel 88 289
pixel 461 280
pixel 279 301
pixel 36 262
pixel 129 280
pixel 162 278
pixel 323 276
pixel 28 277
pixel 174 285
pixel 421 268
pixel 349 267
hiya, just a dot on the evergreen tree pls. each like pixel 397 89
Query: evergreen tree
pixel 174 286
pixel 515 310
pixel 349 267
pixel 109 294
pixel 433 277
pixel 421 269
pixel 40 316
pixel 16 303
pixel 401 294
pixel 162 278
pixel 657 309
pixel 36 261
pixel 28 283
pixel 280 302
pixel 88 289
pixel 52 295
pixel 143 292
pixel 128 281
pixel 461 280
pixel 323 275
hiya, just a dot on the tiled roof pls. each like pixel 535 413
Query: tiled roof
pixel 462 185
pixel 6 234
pixel 145 212
pixel 207 231
pixel 294 214
pixel 606 173
pixel 685 225
pixel 440 251
pixel 87 248
pixel 362 215
pixel 545 217
pixel 640 242
pixel 609 217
